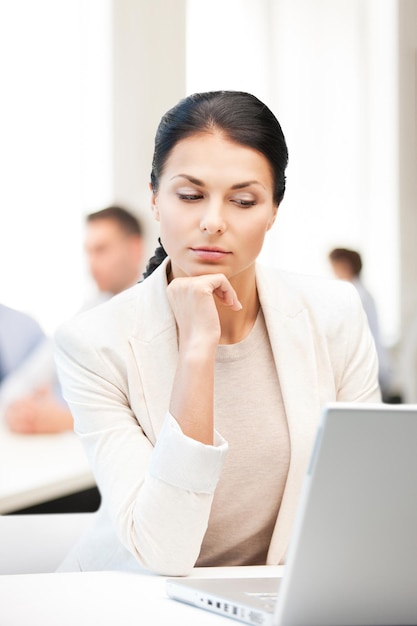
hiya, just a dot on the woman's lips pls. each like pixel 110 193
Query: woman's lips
pixel 210 254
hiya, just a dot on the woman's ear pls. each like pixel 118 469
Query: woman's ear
pixel 154 204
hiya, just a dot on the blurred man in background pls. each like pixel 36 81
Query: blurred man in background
pixel 347 265
pixel 114 245
pixel 32 401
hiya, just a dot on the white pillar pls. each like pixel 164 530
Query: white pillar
pixel 148 78
pixel 407 104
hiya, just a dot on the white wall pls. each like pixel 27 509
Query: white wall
pixel 84 83
pixel 336 79
pixel 328 70
pixel 232 50
pixel 54 148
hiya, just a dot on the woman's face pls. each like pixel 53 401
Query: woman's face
pixel 214 204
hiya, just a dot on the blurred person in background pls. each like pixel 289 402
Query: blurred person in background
pixel 31 401
pixel 347 265
pixel 30 397
pixel 20 334
pixel 114 246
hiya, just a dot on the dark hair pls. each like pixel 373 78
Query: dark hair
pixel 128 222
pixel 351 257
pixel 240 116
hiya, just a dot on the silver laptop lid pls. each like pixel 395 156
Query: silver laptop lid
pixel 353 553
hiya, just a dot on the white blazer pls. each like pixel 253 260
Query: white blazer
pixel 116 364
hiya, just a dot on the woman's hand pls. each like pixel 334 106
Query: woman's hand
pixel 38 413
pixel 194 302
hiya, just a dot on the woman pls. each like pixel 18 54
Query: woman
pixel 197 392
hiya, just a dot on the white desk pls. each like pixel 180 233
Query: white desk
pixel 38 468
pixel 106 599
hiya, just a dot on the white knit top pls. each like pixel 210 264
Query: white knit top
pixel 249 414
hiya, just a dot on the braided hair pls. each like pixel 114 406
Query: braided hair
pixel 155 260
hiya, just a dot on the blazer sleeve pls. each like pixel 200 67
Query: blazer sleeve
pixel 158 494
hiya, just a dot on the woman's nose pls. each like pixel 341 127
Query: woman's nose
pixel 213 220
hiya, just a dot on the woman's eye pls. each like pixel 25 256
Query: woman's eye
pixel 244 203
pixel 189 197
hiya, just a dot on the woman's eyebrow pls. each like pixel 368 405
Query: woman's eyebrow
pixel 194 181
pixel 247 184
pixel 200 183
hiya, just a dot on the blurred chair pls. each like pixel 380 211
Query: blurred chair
pixel 35 544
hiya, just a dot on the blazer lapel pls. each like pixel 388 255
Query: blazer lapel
pixel 155 348
pixel 290 334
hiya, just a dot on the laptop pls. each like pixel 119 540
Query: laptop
pixel 352 559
